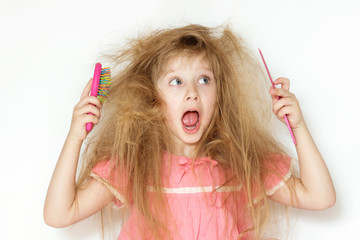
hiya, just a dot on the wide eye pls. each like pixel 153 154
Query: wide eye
pixel 204 80
pixel 175 82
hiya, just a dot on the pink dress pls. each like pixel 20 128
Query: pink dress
pixel 197 207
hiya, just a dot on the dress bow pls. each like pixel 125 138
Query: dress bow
pixel 186 165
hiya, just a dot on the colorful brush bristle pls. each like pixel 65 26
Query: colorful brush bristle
pixel 104 84
pixel 100 87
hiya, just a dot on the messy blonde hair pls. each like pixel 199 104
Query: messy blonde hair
pixel 133 129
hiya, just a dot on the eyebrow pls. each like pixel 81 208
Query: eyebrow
pixel 200 69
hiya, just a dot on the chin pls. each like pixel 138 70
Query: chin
pixel 191 140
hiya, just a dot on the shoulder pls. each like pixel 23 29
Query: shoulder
pixel 113 176
pixel 276 171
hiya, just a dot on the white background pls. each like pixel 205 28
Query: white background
pixel 48 50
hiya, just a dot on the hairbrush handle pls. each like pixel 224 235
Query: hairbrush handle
pixel 94 90
pixel 273 84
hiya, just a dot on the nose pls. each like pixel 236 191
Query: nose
pixel 192 94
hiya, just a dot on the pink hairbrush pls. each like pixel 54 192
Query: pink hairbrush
pixel 273 84
pixel 100 87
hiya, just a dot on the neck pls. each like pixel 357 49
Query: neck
pixel 185 151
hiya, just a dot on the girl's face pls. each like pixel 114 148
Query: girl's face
pixel 188 88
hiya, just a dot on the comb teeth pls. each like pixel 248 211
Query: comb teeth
pixel 104 84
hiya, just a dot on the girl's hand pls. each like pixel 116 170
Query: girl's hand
pixel 87 104
pixel 286 104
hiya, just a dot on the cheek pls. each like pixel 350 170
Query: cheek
pixel 169 108
pixel 212 104
pixel 165 101
pixel 210 98
pixel 214 98
pixel 171 112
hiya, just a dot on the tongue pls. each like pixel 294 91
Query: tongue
pixel 190 118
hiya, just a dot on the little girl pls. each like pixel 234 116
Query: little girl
pixel 184 145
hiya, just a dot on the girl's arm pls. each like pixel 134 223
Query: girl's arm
pixel 64 203
pixel 314 189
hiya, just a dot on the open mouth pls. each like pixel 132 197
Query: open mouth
pixel 190 120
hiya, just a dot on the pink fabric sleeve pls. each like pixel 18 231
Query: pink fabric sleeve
pixel 279 170
pixel 107 173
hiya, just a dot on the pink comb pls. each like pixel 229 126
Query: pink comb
pixel 100 87
pixel 273 84
pixel 94 89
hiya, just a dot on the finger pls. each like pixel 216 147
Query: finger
pixel 285 83
pixel 90 100
pixel 90 109
pixel 283 102
pixel 274 98
pixel 90 118
pixel 87 89
pixel 285 111
pixel 281 92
